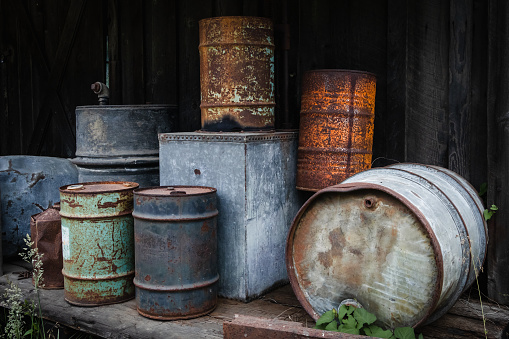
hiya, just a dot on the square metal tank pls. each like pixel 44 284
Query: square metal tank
pixel 254 174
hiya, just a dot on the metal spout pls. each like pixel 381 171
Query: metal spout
pixel 102 91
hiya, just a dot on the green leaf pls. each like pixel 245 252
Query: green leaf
pixel 420 336
pixel 349 322
pixel 404 333
pixel 487 214
pixel 364 317
pixel 348 330
pixel 483 189
pixel 333 326
pixel 376 331
pixel 494 208
pixel 320 327
pixel 342 312
pixel 350 309
pixel 28 332
pixel 326 318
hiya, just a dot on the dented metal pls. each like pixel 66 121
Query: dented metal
pixel 237 73
pixel 175 231
pixel 46 233
pixel 336 127
pixel 97 242
pixel 404 241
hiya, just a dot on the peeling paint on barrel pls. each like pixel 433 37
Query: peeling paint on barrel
pixel 404 241
pixel 336 127
pixel 176 251
pixel 237 73
pixel 97 242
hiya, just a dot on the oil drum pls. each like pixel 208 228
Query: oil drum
pixel 404 241
pixel 175 230
pixel 237 73
pixel 97 242
pixel 336 127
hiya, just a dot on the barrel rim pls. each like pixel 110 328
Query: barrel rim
pixel 139 191
pixel 339 70
pixel 239 17
pixel 351 187
pixel 133 184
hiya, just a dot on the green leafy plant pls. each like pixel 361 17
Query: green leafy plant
pixel 356 320
pixel 488 213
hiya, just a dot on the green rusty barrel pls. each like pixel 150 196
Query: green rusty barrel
pixel 97 242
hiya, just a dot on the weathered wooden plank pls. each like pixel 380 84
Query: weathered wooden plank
pixel 189 61
pixel 115 69
pixel 160 40
pixel 498 152
pixel 460 74
pixel 427 82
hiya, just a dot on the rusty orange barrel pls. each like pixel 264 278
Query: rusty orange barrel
pixel 237 73
pixel 336 127
pixel 405 241
pixel 97 242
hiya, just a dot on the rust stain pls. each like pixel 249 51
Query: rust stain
pixel 205 227
pixel 109 204
pixel 336 127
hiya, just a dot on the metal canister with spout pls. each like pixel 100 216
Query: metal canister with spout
pixel 175 231
pixel 336 127
pixel 97 242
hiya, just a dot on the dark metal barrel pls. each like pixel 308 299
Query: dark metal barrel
pixel 336 127
pixel 405 241
pixel 237 73
pixel 120 142
pixel 97 242
pixel 175 231
pixel 46 233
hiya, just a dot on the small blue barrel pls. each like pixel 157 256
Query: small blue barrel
pixel 175 240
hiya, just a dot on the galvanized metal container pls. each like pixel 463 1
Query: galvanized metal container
pixel 46 233
pixel 254 174
pixel 237 73
pixel 120 142
pixel 404 241
pixel 175 230
pixel 336 126
pixel 28 185
pixel 97 242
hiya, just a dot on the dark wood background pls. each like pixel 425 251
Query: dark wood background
pixel 442 72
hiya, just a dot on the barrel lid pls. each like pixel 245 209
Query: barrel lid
pixel 174 190
pixel 98 187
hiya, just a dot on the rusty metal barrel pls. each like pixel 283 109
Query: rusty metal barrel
pixel 336 127
pixel 404 241
pixel 46 233
pixel 175 230
pixel 97 242
pixel 237 73
pixel 119 142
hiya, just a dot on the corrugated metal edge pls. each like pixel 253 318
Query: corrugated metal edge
pixel 228 137
pixel 350 187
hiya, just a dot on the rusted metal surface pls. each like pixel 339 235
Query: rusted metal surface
pixel 336 127
pixel 28 185
pixel 253 327
pixel 120 142
pixel 175 231
pixel 46 234
pixel 237 73
pixel 396 239
pixel 97 242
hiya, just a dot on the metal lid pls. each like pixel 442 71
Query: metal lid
pixel 98 187
pixel 174 190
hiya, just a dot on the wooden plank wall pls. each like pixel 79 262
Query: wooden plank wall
pixel 435 102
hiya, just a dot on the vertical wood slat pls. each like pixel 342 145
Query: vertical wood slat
pixel 427 82
pixel 498 151
pixel 460 66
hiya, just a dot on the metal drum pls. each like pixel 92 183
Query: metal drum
pixel 176 251
pixel 404 241
pixel 97 242
pixel 120 142
pixel 336 127
pixel 237 73
pixel 46 233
